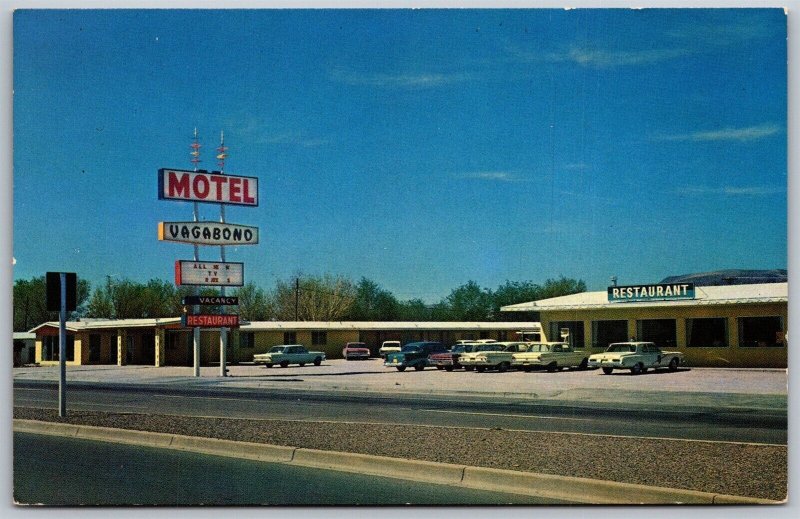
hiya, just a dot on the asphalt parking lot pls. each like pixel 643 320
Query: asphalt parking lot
pixel 759 387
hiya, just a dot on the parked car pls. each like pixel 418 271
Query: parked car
pixel 448 360
pixel 635 356
pixel 388 347
pixel 286 354
pixel 550 355
pixel 496 355
pixel 413 355
pixel 355 350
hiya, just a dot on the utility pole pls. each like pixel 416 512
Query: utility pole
pixel 296 298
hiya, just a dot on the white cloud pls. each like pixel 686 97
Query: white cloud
pixel 726 134
pixel 730 190
pixel 497 176
pixel 403 80
pixel 599 58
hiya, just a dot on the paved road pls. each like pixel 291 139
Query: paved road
pixel 68 472
pixel 750 425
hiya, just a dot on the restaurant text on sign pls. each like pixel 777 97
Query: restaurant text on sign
pixel 202 186
pixel 210 321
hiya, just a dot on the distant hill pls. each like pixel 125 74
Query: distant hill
pixel 730 277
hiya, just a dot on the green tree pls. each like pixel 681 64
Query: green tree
pixel 414 310
pixel 372 303
pixel 319 298
pixel 469 302
pixel 254 305
pixel 30 303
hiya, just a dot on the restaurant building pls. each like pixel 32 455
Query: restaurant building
pixel 728 325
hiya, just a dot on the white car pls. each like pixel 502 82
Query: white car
pixel 388 347
pixel 550 355
pixel 635 356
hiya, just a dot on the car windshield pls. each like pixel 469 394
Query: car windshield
pixel 411 347
pixel 459 349
pixel 355 345
pixel 277 349
pixel 621 348
pixel 486 347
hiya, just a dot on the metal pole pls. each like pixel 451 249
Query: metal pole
pixel 223 332
pixel 196 308
pixel 296 296
pixel 62 349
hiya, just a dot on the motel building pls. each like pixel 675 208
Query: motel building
pixel 165 342
pixel 723 326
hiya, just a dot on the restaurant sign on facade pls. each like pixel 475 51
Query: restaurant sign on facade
pixel 651 292
pixel 208 233
pixel 209 273
pixel 202 186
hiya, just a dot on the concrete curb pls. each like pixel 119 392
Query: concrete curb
pixel 578 490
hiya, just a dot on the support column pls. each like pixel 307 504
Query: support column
pixel 632 329
pixel 122 346
pixel 680 333
pixel 160 344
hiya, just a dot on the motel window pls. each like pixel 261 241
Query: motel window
pixel 606 332
pixel 319 338
pixel 483 334
pixel 290 337
pixel 94 347
pixel 575 332
pixel 660 331
pixel 707 333
pixel 50 347
pixel 757 332
pixel 247 339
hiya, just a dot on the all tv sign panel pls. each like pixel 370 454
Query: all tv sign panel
pixel 209 273
pixel 202 186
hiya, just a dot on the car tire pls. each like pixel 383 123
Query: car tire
pixel 401 368
pixel 419 367
pixel 448 368
pixel 469 368
pixel 480 369
pixel 503 367
pixel 608 371
pixel 637 369
pixel 440 367
pixel 527 369
pixel 284 364
pixel 673 364
pixel 552 367
pixel 317 361
pixel 584 364
pixel 302 364
pixel 269 364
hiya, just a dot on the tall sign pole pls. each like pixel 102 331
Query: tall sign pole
pixel 195 153
pixel 223 332
pixel 62 348
pixel 62 297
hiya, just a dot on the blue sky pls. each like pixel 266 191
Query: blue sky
pixel 420 149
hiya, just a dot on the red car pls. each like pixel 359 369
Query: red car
pixel 355 350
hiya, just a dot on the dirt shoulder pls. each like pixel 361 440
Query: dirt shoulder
pixel 725 468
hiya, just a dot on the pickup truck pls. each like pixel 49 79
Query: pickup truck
pixel 495 355
pixel 286 354
pixel 550 355
pixel 388 347
pixel 638 357
pixel 355 350
pixel 413 355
